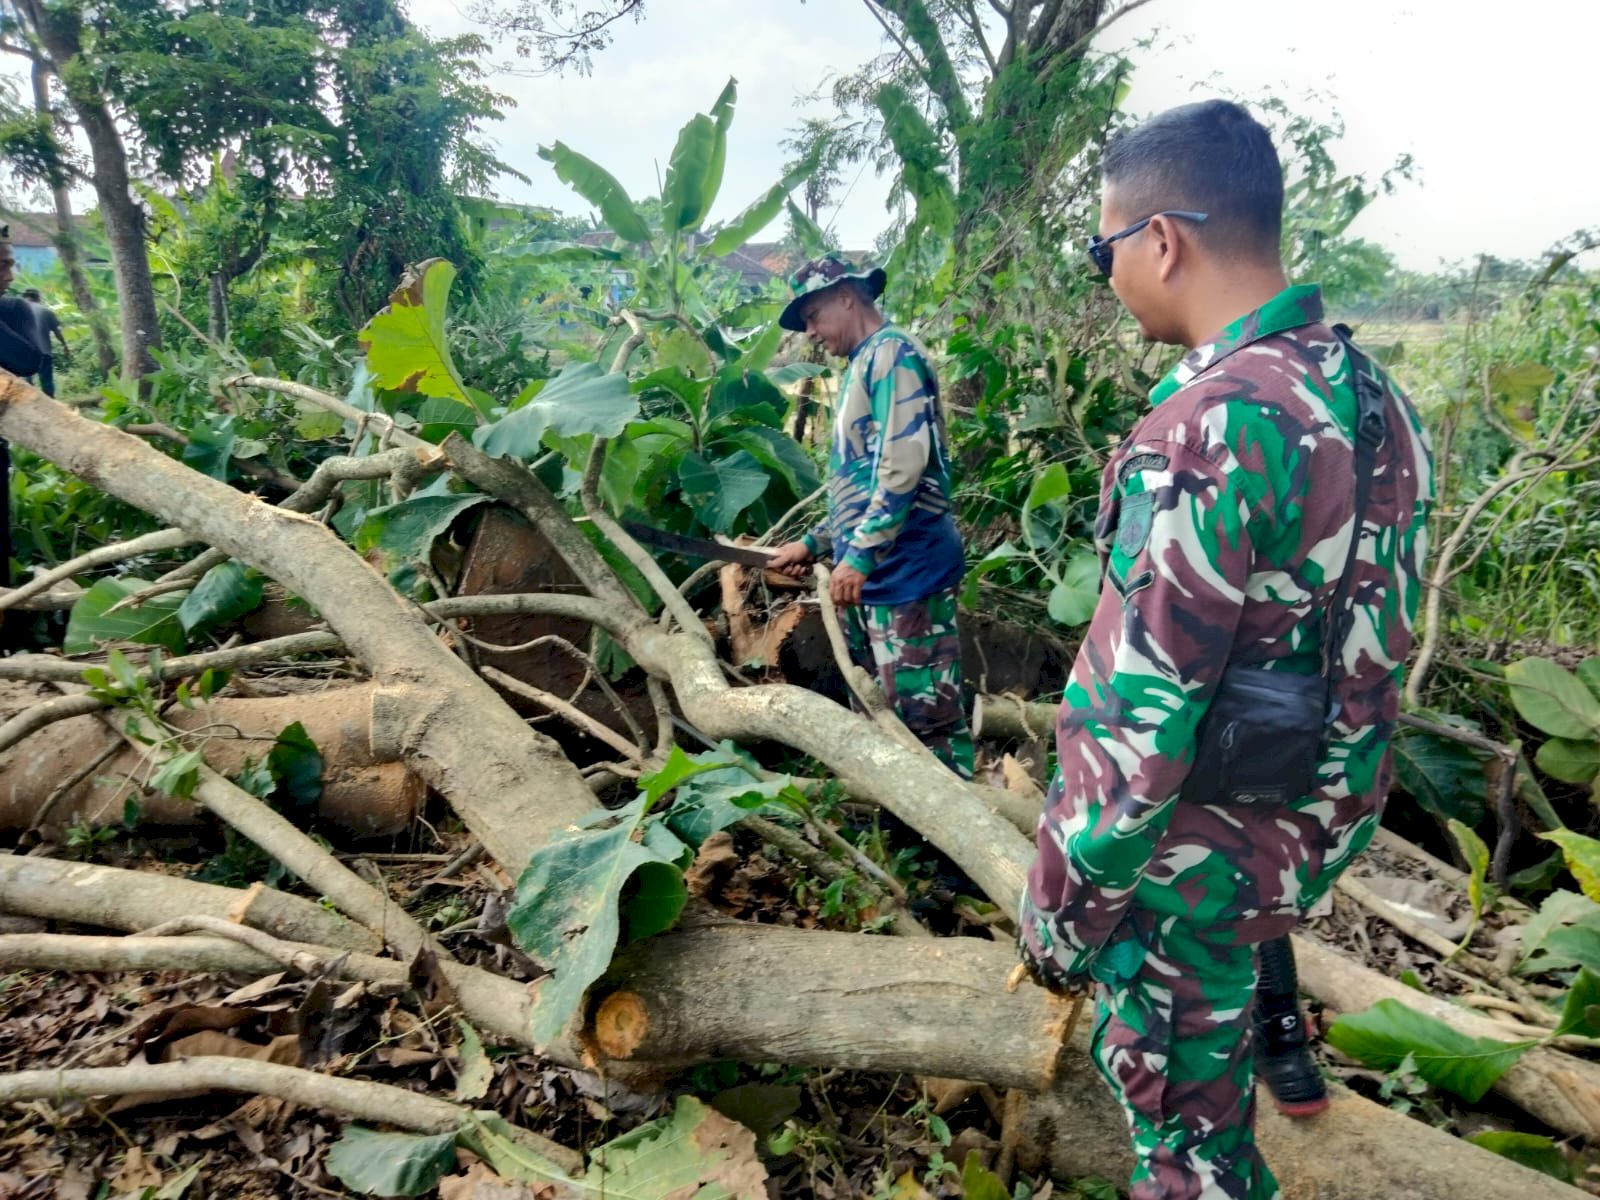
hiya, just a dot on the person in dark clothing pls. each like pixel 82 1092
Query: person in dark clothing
pixel 48 323
pixel 19 354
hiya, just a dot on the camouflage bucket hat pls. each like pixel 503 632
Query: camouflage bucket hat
pixel 820 274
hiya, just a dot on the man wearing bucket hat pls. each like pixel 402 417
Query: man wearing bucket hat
pixel 897 555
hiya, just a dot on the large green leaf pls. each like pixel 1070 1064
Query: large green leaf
pixel 224 593
pixel 210 446
pixel 694 173
pixel 1565 932
pixel 405 532
pixel 581 400
pixel 1073 599
pixel 1384 1034
pixel 1583 858
pixel 778 452
pixel 1553 700
pixel 441 416
pixel 806 231
pixel 1048 487
pixel 980 1183
pixel 1444 776
pixel 755 353
pixel 1569 760
pixel 720 796
pixel 405 343
pixel 763 211
pixel 569 903
pixel 296 765
pixel 1566 946
pixel 694 1154
pixel 154 623
pixel 390 1164
pixel 564 252
pixel 719 489
pixel 995 559
pixel 1580 1013
pixel 1530 1149
pixel 748 394
pixel 597 185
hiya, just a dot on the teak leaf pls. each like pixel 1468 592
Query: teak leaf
pixel 155 622
pixel 569 907
pixel 405 343
pixel 580 400
pixel 1386 1033
pixel 390 1164
pixel 1553 699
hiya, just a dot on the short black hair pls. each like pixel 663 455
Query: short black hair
pixel 1212 157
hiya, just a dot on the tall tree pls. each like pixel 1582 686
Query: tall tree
pixel 404 148
pixel 56 36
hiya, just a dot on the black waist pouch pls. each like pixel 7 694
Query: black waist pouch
pixel 1261 740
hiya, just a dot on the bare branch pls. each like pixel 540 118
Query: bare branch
pixel 379 1103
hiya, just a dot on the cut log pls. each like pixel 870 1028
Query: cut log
pixel 814 999
pixel 360 793
pixel 732 990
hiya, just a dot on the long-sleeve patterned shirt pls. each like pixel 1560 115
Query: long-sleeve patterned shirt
pixel 889 475
pixel 1225 520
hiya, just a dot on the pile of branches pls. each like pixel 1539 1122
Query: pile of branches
pixel 932 1007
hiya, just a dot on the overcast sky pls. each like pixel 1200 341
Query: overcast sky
pixel 1497 109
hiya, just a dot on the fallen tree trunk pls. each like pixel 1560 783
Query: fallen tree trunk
pixel 361 791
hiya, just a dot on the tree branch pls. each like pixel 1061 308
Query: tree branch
pixel 150 543
pixel 379 1103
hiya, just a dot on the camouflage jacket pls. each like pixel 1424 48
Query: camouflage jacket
pixel 1225 519
pixel 889 475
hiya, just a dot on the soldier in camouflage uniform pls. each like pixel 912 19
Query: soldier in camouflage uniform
pixel 1225 521
pixel 897 555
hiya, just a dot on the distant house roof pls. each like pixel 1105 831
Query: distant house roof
pixel 37 229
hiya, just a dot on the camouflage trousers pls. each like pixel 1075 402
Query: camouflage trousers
pixel 1174 1043
pixel 914 652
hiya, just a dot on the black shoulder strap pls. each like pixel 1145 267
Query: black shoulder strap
pixel 1371 426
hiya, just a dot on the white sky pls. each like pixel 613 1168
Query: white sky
pixel 1495 104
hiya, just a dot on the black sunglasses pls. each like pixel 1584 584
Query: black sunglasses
pixel 1099 248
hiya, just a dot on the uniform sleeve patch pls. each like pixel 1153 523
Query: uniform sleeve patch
pixel 1142 462
pixel 1133 523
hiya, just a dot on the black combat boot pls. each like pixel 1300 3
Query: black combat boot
pixel 1283 1058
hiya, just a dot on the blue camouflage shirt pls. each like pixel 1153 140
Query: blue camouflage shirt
pixel 889 475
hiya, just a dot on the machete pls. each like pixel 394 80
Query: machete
pixel 693 547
